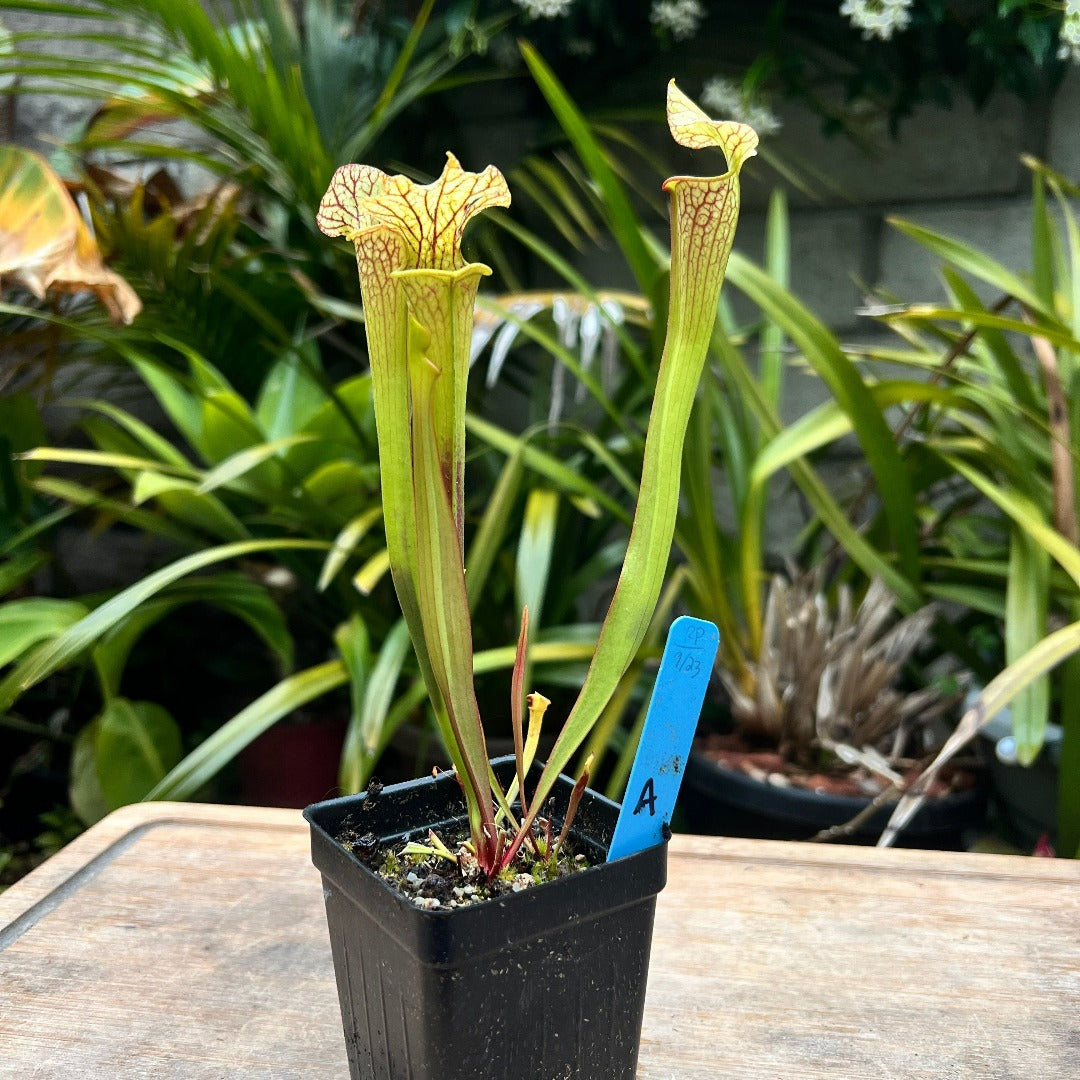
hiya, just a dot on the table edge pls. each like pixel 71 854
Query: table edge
pixel 114 827
pixel 46 887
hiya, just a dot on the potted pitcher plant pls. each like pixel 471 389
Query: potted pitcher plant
pixel 477 929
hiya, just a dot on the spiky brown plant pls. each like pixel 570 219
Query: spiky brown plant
pixel 826 681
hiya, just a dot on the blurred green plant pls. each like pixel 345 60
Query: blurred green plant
pixel 945 514
pixel 1004 439
pixel 130 745
pixel 280 89
pixel 293 478
pixel 850 61
pixel 1059 647
pixel 231 280
pixel 226 343
pixel 257 101
pixel 894 58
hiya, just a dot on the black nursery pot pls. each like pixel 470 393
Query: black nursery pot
pixel 544 984
pixel 726 802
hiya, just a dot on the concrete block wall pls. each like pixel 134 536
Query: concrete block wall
pixel 42 121
pixel 956 171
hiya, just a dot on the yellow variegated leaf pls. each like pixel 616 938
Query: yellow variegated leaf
pixel 44 243
pixel 693 128
pixel 120 118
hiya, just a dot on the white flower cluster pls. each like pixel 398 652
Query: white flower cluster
pixel 878 18
pixel 1069 49
pixel 680 17
pixel 725 100
pixel 545 9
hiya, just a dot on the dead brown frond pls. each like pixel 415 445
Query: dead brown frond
pixel 825 684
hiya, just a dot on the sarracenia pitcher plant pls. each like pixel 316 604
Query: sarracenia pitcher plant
pixel 419 294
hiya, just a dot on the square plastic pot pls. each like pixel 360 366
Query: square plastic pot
pixel 544 984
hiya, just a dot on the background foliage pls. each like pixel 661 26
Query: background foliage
pixel 230 422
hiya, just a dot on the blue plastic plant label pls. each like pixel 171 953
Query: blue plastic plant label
pixel 669 728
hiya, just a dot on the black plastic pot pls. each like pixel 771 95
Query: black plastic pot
pixel 1025 797
pixel 726 802
pixel 545 984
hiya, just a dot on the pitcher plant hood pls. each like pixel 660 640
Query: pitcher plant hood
pixel 431 218
pixel 704 213
pixel 419 294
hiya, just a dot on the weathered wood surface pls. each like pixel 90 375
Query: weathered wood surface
pixel 186 941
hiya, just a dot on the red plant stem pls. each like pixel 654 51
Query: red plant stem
pixel 571 809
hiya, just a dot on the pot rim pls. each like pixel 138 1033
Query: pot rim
pixel 603 887
pixel 801 805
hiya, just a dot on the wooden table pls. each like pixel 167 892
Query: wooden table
pixel 189 941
